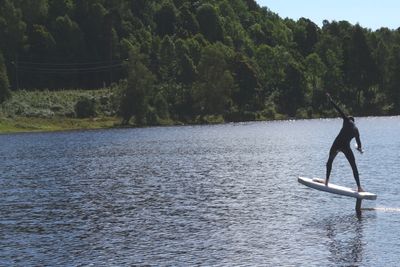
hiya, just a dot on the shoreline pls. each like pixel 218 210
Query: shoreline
pixel 55 124
pixel 21 124
pixel 32 125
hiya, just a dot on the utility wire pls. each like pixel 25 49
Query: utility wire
pixel 20 63
pixel 65 68
pixel 71 69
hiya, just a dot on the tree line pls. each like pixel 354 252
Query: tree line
pixel 192 61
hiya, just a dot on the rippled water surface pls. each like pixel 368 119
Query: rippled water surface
pixel 224 195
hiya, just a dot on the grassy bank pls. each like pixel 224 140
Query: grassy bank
pixel 25 124
pixel 30 111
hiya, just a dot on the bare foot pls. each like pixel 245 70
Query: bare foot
pixel 360 189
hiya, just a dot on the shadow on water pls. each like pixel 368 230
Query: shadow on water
pixel 345 235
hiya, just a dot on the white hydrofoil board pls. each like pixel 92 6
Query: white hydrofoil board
pixel 319 184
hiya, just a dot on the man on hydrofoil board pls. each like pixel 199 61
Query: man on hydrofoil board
pixel 342 144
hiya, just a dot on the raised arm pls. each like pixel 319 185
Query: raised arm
pixel 336 106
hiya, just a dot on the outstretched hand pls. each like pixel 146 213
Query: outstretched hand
pixel 360 150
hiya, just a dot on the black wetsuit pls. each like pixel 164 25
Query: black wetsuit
pixel 342 143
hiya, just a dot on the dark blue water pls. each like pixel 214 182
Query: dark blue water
pixel 224 195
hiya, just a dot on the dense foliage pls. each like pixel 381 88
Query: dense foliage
pixel 4 86
pixel 190 61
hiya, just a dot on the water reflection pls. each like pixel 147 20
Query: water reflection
pixel 346 242
pixel 223 195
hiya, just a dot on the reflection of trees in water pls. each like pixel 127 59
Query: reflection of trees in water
pixel 346 243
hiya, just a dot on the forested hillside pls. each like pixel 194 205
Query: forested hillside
pixel 190 61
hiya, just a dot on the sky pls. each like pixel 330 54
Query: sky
pixel 372 14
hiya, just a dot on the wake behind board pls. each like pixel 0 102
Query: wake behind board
pixel 319 184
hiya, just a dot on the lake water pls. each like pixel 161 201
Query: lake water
pixel 224 195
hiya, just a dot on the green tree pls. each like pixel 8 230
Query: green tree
pixel 329 49
pixel 292 90
pixel 273 61
pixel 227 12
pixel 187 21
pixel 166 19
pixel 361 69
pixel 248 96
pixel 315 71
pixel 4 85
pixel 68 37
pixel 34 11
pixel 257 34
pixel 61 7
pixel 381 57
pixel 241 8
pixel 167 59
pixel 91 16
pixel 154 57
pixel 187 73
pixel 195 47
pixel 209 22
pixel 333 77
pixel 305 36
pixel 12 29
pixel 394 80
pixel 161 106
pixel 186 69
pixel 213 89
pixel 135 96
pixel 144 10
pixel 252 5
pixel 277 33
pixel 179 3
pixel 42 42
pixel 42 48
pixel 238 36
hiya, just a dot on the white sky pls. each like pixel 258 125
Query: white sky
pixel 372 14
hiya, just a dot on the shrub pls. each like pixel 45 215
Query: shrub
pixel 85 107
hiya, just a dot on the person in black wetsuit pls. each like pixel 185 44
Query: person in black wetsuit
pixel 342 144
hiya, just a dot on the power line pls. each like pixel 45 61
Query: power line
pixel 70 70
pixel 49 64
pixel 67 68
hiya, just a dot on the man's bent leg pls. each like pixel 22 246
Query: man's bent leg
pixel 350 157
